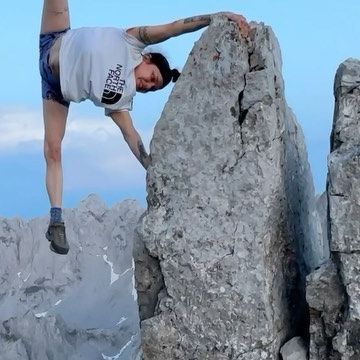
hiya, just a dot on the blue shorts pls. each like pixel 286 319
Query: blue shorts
pixel 50 84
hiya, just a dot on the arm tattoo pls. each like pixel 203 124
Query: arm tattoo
pixel 144 35
pixel 143 157
pixel 197 19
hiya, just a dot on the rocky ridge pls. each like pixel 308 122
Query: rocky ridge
pixel 79 306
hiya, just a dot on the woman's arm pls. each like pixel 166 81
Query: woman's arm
pixel 123 121
pixel 158 33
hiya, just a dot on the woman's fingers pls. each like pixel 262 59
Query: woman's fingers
pixel 240 20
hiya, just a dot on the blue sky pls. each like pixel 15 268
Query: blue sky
pixel 315 37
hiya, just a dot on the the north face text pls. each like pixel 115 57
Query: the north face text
pixel 114 86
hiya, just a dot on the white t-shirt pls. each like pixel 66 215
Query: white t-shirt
pixel 98 64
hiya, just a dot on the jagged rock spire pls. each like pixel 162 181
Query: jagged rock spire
pixel 229 193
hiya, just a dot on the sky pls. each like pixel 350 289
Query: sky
pixel 314 36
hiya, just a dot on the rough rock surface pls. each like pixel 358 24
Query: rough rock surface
pixel 79 306
pixel 321 239
pixel 149 279
pixel 325 297
pixel 294 350
pixel 229 195
pixel 338 338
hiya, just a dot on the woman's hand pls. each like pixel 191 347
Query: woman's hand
pixel 240 21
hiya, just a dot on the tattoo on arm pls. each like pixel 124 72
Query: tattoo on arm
pixel 144 157
pixel 196 22
pixel 201 18
pixel 144 35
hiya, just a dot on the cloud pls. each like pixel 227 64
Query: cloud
pixel 95 155
pixel 18 127
pixel 103 159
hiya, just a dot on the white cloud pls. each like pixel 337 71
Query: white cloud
pixel 95 155
pixel 18 127
pixel 103 158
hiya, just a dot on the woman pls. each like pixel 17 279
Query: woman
pixel 84 64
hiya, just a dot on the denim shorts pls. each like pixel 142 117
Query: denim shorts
pixel 50 84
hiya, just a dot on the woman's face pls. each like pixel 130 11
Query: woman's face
pixel 147 76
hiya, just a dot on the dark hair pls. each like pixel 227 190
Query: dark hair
pixel 163 65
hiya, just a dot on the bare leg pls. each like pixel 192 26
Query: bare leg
pixel 55 16
pixel 55 116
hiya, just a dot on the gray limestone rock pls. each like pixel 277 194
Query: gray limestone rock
pixel 148 277
pixel 304 217
pixel 294 349
pixel 335 332
pixel 320 216
pixel 345 131
pixel 343 192
pixel 79 306
pixel 325 296
pixel 229 198
pixel 344 200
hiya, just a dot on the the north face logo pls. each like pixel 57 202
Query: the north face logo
pixel 114 86
pixel 110 97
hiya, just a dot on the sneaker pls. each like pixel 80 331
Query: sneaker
pixel 56 234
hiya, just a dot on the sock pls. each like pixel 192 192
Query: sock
pixel 55 215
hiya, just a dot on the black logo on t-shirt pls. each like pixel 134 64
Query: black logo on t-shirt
pixel 114 86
